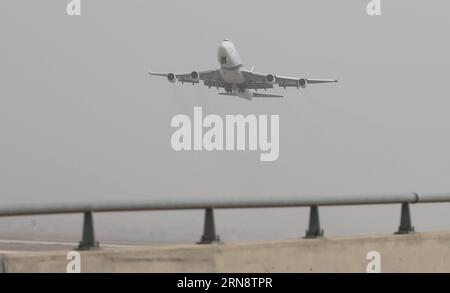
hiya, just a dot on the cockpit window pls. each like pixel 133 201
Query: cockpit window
pixel 223 60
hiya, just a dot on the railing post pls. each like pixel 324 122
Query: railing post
pixel 406 226
pixel 314 230
pixel 209 229
pixel 88 242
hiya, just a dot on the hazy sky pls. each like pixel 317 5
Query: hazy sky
pixel 81 119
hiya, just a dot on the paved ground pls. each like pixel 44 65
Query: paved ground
pixel 414 253
pixel 10 246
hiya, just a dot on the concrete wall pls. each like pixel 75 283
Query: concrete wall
pixel 429 252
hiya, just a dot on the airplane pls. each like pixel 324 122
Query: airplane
pixel 235 80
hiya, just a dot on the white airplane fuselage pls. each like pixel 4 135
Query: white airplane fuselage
pixel 230 69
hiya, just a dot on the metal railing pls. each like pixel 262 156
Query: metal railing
pixel 210 204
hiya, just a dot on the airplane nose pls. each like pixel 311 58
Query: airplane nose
pixel 222 50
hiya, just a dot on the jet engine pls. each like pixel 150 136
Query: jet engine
pixel 195 75
pixel 271 79
pixel 302 83
pixel 172 77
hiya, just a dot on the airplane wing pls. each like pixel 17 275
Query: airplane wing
pixel 263 80
pixel 255 81
pixel 210 76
